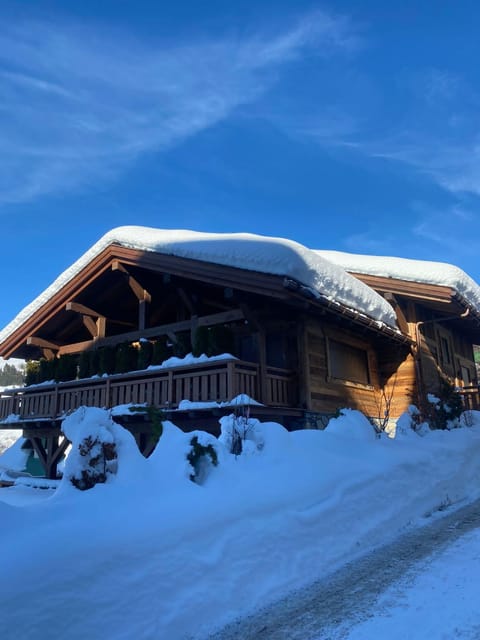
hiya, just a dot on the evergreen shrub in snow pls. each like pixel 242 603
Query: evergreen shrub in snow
pixel 66 367
pixel 125 358
pixel 201 342
pixel 201 456
pixel 445 410
pixel 145 353
pixel 160 351
pixel 32 369
pixel 93 457
pixel 99 460
pixel 155 417
pixel 106 361
pixel 84 365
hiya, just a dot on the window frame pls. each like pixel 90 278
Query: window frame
pixel 351 344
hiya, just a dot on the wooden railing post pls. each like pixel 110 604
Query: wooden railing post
pixel 170 388
pixel 108 396
pixel 231 390
pixel 56 408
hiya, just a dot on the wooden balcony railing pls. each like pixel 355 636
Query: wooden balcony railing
pixel 216 381
pixel 470 397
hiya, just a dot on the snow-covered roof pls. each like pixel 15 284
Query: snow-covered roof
pixel 423 271
pixel 264 254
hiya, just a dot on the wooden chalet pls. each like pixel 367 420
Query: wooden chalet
pixel 300 353
pixel 437 306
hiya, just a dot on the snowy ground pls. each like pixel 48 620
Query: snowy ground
pixel 184 559
pixel 438 599
pixel 8 437
pixel 415 588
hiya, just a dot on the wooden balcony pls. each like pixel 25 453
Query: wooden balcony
pixel 470 397
pixel 216 381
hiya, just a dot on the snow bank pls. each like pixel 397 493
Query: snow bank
pixel 183 558
pixel 8 437
pixel 12 456
pixel 353 426
pixel 276 256
pixel 425 271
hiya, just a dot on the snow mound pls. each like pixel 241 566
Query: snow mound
pixel 353 425
pixel 184 558
pixel 12 456
pixel 97 425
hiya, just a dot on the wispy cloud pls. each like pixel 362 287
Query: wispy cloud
pixel 450 230
pixel 439 132
pixel 78 105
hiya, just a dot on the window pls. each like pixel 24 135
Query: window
pixel 248 348
pixel 445 351
pixel 347 362
pixel 276 350
pixel 466 378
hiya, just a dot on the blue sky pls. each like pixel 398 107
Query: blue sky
pixel 342 125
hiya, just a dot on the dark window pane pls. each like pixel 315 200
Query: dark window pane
pixel 348 363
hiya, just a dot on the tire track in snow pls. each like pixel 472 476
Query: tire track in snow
pixel 346 597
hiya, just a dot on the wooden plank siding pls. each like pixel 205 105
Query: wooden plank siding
pixel 391 367
pixel 327 394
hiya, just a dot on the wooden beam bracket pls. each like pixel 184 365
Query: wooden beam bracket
pixel 141 293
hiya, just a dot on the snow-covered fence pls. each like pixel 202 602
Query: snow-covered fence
pixel 217 381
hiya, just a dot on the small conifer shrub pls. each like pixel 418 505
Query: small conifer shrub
pixel 99 460
pixel 201 457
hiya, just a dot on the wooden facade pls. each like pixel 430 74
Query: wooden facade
pixel 301 356
pixel 443 328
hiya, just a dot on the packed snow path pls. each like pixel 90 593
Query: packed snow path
pixel 329 608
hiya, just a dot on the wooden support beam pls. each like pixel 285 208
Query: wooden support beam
pixel 59 451
pixel 193 329
pixel 142 314
pixel 40 451
pixel 153 332
pixel 101 326
pixel 43 344
pixel 401 319
pixel 81 308
pixel 262 356
pixel 186 300
pixel 250 316
pixel 91 326
pixel 100 319
pixel 135 286
pixel 49 455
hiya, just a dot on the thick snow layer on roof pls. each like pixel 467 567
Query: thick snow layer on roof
pixel 424 271
pixel 276 256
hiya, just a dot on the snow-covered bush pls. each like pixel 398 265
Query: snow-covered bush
pixel 241 434
pixel 98 446
pixel 99 459
pixel 201 456
pixel 411 421
pixel 445 409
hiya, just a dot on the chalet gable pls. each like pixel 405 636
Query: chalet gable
pixel 140 283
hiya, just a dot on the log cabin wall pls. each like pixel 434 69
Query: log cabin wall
pixel 398 378
pixel 445 353
pixel 339 369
